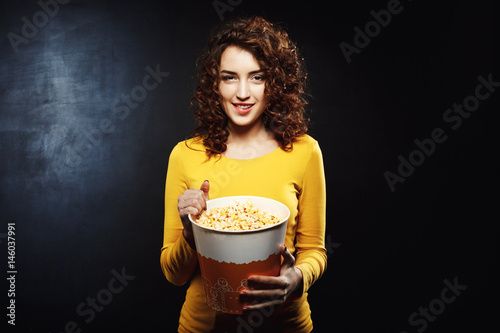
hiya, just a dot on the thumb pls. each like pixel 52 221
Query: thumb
pixel 288 259
pixel 205 187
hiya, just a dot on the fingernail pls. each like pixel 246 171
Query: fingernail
pixel 206 180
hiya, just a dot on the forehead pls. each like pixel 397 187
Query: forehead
pixel 237 59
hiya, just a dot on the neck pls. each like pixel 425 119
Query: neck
pixel 246 142
pixel 255 132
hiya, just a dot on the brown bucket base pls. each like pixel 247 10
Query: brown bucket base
pixel 223 281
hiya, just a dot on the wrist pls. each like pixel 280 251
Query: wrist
pixel 299 289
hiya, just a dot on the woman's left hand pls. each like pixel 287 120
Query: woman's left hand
pixel 265 291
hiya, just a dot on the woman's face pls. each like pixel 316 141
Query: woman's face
pixel 242 87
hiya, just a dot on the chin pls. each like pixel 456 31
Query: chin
pixel 247 120
pixel 244 123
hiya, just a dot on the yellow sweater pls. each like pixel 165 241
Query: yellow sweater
pixel 294 178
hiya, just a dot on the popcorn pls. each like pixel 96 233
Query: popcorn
pixel 237 217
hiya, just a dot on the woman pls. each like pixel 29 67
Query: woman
pixel 251 140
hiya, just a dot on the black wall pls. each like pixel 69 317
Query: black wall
pixel 83 164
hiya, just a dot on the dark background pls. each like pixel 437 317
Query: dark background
pixel 84 207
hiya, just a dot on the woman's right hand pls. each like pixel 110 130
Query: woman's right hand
pixel 192 202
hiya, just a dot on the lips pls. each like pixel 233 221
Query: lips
pixel 243 108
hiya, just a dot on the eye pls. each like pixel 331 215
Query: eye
pixel 258 77
pixel 228 78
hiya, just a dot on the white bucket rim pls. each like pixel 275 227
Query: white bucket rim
pixel 284 220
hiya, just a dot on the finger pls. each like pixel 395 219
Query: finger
pixel 205 187
pixel 270 294
pixel 198 203
pixel 269 304
pixel 186 198
pixel 189 211
pixel 191 202
pixel 288 258
pixel 265 282
pixel 262 299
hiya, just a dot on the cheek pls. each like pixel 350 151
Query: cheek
pixel 225 92
pixel 259 93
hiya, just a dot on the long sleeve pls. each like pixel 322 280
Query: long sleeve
pixel 310 233
pixel 178 260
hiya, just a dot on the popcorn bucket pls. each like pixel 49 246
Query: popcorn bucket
pixel 228 257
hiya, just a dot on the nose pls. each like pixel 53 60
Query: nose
pixel 243 91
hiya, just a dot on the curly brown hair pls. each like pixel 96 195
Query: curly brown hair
pixel 284 74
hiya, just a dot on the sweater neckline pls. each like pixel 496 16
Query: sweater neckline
pixel 252 159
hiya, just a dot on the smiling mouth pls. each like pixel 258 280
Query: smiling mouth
pixel 243 107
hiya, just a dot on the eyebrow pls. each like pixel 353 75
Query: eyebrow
pixel 234 73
